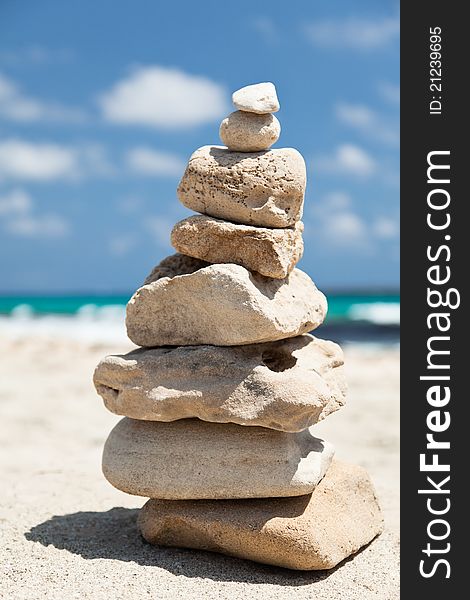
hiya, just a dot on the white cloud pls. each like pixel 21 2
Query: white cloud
pixel 44 226
pixel 390 171
pixel 93 161
pixel 354 33
pixel 160 229
pixel 334 201
pixel 17 202
pixel 16 106
pixel 338 226
pixel 347 159
pixel 20 218
pixel 130 204
pixel 335 221
pixel 42 162
pixel 147 161
pixel 36 55
pixel 390 92
pixel 122 244
pixel 164 98
pixel 346 225
pixel 368 122
pixel 355 114
pixel 266 28
pixel 386 228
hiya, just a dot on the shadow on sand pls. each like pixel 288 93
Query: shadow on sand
pixel 113 535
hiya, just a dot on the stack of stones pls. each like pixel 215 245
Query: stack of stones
pixel 219 399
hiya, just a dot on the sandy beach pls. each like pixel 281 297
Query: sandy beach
pixel 68 534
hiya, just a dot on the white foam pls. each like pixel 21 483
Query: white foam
pixel 378 313
pixel 91 323
pixel 106 324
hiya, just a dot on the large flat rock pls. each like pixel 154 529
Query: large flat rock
pixel 270 252
pixel 286 385
pixel 185 301
pixel 192 459
pixel 257 188
pixel 315 531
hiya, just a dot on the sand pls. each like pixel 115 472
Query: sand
pixel 66 533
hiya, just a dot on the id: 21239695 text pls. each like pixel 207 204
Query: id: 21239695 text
pixel 435 70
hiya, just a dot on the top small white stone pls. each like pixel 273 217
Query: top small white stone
pixel 260 98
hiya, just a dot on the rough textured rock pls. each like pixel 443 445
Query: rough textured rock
pixel 223 305
pixel 246 132
pixel 258 188
pixel 192 459
pixel 271 252
pixel 286 385
pixel 316 531
pixel 257 98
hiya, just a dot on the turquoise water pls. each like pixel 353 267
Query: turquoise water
pixel 58 305
pixel 342 307
pixel 352 318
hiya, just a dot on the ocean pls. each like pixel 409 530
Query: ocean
pixel 366 318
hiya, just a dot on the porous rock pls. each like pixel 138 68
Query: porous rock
pixel 192 459
pixel 271 252
pixel 315 531
pixel 187 302
pixel 286 385
pixel 256 188
pixel 247 132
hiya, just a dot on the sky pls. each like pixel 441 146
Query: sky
pixel 102 103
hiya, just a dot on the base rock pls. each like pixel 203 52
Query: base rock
pixel 310 532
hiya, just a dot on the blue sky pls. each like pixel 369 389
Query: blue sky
pixel 102 103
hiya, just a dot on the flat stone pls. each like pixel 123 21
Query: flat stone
pixel 257 188
pixel 247 132
pixel 192 459
pixel 186 302
pixel 316 531
pixel 271 252
pixel 257 98
pixel 286 385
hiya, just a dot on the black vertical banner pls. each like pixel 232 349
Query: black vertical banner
pixel 435 259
